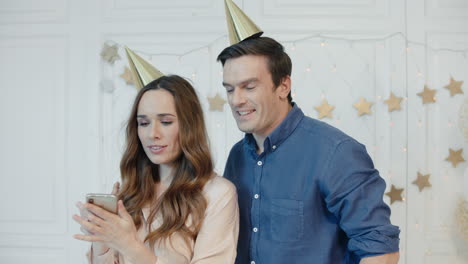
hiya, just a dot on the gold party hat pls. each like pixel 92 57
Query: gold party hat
pixel 240 26
pixel 142 71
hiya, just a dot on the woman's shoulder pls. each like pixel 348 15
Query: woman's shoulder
pixel 218 187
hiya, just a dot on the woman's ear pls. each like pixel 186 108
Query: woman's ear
pixel 284 88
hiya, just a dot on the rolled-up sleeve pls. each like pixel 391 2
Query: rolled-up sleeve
pixel 353 191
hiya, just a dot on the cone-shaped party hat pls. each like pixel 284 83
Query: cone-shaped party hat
pixel 142 71
pixel 240 26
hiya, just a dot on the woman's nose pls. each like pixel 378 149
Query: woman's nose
pixel 155 131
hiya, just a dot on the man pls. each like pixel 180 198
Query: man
pixel 308 193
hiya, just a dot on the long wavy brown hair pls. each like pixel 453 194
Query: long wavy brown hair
pixel 192 169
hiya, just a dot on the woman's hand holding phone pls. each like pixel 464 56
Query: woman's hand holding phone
pixel 103 228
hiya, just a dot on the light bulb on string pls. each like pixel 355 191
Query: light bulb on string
pixel 405 149
pixel 420 74
pixel 322 43
pixel 334 68
pixel 420 123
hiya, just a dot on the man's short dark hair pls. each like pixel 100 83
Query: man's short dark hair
pixel 279 63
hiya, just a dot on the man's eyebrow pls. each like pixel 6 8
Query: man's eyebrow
pixel 250 80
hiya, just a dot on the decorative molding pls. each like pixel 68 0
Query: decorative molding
pixel 141 10
pixel 375 9
pixel 37 138
pixel 446 9
pixel 19 12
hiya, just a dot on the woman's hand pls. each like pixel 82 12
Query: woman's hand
pixel 116 231
pixel 98 248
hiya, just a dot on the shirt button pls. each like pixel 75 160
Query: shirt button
pixel 255 230
pixel 274 146
pixel 259 163
pixel 256 196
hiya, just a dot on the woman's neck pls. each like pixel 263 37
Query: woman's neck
pixel 165 175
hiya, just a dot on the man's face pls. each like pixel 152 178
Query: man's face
pixel 252 96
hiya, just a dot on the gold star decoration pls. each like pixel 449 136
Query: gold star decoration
pixel 454 87
pixel 428 95
pixel 216 103
pixel 363 107
pixel 393 102
pixel 110 53
pixel 394 194
pixel 422 181
pixel 455 157
pixel 127 76
pixel 325 110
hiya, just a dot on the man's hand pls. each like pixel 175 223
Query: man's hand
pixel 390 258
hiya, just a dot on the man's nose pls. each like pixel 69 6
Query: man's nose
pixel 237 97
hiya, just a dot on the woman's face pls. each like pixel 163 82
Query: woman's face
pixel 158 126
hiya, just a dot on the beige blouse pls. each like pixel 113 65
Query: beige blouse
pixel 216 242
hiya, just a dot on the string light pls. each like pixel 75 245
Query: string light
pixel 323 42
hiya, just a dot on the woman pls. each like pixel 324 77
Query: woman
pixel 172 207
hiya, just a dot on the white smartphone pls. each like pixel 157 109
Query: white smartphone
pixel 103 200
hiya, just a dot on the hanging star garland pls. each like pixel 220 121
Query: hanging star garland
pixel 110 53
pixel 428 95
pixel 454 87
pixel 455 157
pixel 363 107
pixel 393 102
pixel 216 103
pixel 422 181
pixel 127 76
pixel 394 194
pixel 325 110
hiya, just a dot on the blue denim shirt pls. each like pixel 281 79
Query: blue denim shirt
pixel 312 196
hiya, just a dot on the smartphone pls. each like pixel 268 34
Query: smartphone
pixel 105 201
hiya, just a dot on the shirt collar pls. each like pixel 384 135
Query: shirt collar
pixel 280 133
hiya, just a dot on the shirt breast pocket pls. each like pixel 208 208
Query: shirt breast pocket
pixel 287 220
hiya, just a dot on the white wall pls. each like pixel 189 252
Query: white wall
pixel 61 133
